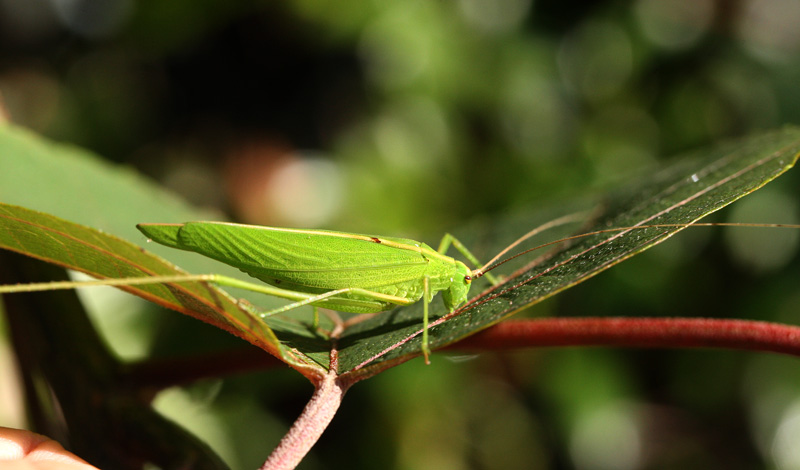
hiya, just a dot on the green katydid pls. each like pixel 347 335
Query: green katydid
pixel 341 271
pixel 337 270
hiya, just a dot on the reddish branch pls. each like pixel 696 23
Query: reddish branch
pixel 637 332
pixel 518 334
pixel 312 422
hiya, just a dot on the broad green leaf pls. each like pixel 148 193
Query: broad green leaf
pixel 73 184
pixel 84 249
pixel 76 185
pixel 688 190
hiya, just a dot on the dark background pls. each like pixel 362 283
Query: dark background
pixel 408 118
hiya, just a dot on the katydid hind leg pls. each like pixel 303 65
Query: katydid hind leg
pixel 300 298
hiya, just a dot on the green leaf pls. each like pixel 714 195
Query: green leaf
pixel 71 183
pixel 688 190
pixel 100 255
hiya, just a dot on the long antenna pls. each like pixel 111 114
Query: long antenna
pixel 489 266
pixel 575 217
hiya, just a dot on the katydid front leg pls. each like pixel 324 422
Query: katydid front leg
pixel 449 239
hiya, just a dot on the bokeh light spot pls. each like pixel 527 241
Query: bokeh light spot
pixel 305 191
pixel 674 25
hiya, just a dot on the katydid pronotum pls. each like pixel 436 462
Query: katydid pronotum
pixel 337 270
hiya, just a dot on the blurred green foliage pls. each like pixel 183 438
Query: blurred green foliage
pixel 409 117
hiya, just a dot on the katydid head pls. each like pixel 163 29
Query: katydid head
pixel 458 291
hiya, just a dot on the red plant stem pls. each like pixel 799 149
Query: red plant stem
pixel 638 332
pixel 314 419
